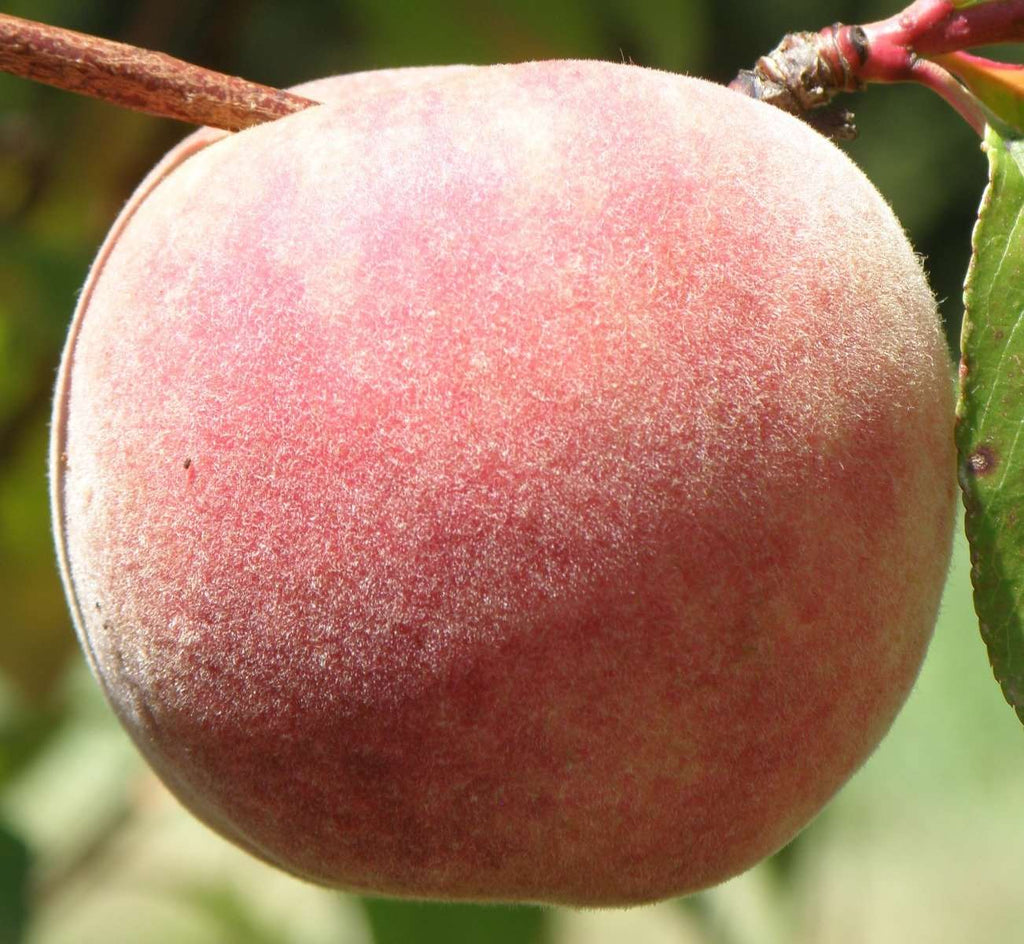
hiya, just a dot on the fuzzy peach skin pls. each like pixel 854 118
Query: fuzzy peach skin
pixel 525 482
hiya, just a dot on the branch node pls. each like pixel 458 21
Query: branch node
pixel 805 72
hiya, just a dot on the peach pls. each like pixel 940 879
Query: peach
pixel 525 482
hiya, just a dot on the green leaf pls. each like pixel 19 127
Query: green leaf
pixel 416 922
pixel 991 415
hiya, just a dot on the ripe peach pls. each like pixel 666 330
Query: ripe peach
pixel 528 482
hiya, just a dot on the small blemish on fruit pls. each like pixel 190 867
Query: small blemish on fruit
pixel 98 605
pixel 188 463
pixel 982 461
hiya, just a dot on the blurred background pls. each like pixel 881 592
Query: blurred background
pixel 924 844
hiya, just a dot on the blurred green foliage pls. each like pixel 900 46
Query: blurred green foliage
pixel 397 922
pixel 14 870
pixel 922 846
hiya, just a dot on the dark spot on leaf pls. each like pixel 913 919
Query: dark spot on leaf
pixel 982 461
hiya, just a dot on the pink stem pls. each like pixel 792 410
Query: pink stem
pixel 999 22
pixel 895 47
pixel 934 27
pixel 933 76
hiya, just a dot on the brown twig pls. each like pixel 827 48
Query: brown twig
pixel 151 82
